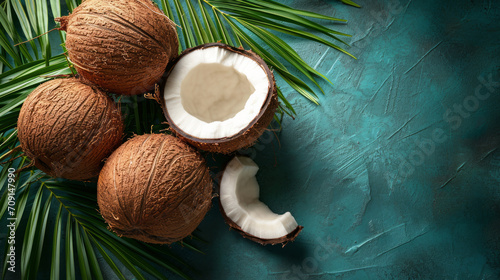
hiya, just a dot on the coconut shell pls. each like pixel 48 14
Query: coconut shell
pixel 122 46
pixel 67 127
pixel 247 136
pixel 154 188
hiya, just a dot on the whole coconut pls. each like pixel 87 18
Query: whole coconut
pixel 121 45
pixel 154 188
pixel 67 127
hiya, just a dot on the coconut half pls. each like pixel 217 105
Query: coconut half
pixel 219 98
pixel 243 211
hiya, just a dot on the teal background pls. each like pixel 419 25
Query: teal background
pixel 388 179
pixel 372 203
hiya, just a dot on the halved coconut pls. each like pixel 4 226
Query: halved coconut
pixel 219 98
pixel 243 211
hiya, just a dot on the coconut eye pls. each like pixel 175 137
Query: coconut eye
pixel 219 98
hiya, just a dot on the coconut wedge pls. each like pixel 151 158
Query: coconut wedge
pixel 243 211
pixel 219 98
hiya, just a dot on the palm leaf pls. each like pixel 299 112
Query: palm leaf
pixel 349 2
pixel 234 18
pixel 78 235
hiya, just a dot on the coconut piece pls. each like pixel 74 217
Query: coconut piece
pixel 121 45
pixel 67 127
pixel 154 188
pixel 219 98
pixel 243 211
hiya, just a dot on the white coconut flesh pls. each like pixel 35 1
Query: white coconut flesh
pixel 239 197
pixel 215 93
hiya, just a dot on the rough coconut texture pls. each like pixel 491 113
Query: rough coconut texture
pixel 249 135
pixel 121 45
pixel 154 188
pixel 67 127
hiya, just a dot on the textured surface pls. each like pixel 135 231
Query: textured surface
pixel 67 128
pixel 154 188
pixel 374 205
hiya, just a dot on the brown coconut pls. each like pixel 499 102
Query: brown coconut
pixel 67 127
pixel 154 188
pixel 255 128
pixel 121 45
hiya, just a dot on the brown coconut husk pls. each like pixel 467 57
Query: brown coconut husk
pixel 123 46
pixel 67 127
pixel 154 188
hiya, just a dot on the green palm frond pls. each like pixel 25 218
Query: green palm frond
pixel 349 2
pixel 58 219
pixel 249 24
pixel 86 235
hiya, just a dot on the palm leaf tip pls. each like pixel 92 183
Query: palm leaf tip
pixel 259 18
pixel 352 3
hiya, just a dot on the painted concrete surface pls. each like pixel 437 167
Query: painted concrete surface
pixel 397 174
